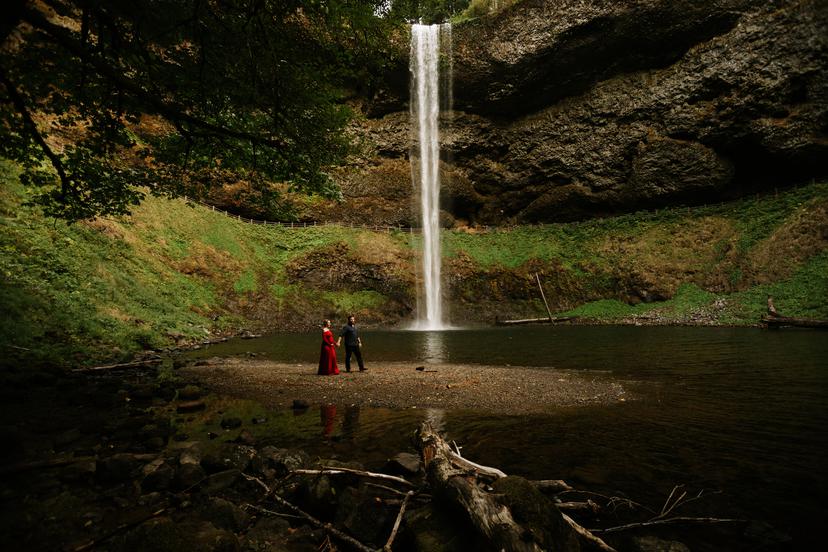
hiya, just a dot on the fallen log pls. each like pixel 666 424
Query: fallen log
pixel 550 320
pixel 784 321
pixel 514 517
pixel 491 519
pixel 121 366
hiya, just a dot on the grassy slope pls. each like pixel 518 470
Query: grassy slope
pixel 720 260
pixel 104 289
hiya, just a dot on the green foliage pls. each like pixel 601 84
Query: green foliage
pixel 608 310
pixel 662 241
pixel 480 8
pixel 514 247
pixel 427 11
pixel 690 297
pixel 346 302
pixel 101 290
pixel 120 98
pixel 804 295
pixel 246 283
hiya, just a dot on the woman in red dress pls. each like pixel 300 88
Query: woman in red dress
pixel 327 357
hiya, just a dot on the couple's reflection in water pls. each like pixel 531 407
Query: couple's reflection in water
pixel 433 350
pixel 350 421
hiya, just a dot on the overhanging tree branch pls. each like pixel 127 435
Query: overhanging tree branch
pixel 28 122
pixel 63 37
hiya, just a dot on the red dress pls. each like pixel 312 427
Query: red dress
pixel 327 357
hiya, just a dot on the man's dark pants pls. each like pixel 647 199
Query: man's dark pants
pixel 349 350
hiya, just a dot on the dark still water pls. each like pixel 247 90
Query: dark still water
pixel 736 410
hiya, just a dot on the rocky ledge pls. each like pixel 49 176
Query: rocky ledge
pixel 566 110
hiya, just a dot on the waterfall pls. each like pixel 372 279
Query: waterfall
pixel 425 160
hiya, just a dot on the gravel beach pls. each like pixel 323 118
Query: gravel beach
pixel 494 389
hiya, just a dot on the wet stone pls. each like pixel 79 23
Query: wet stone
pixel 118 467
pixel 245 438
pixel 221 481
pixel 649 543
pixel 366 518
pixel 158 479
pixel 231 423
pixel 229 456
pixel 189 393
pixel 190 456
pixel 190 406
pixel 425 529
pixel 403 463
pixel 155 443
pixel 143 392
pixel 224 514
pixel 188 475
pixel 268 533
pixel 67 437
pixel 79 471
pixel 284 461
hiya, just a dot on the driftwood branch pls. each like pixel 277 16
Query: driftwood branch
pixel 41 464
pixel 587 535
pixel 552 320
pixel 120 529
pixel 543 296
pixel 391 490
pixel 387 547
pixel 340 471
pixel 552 486
pixel 665 521
pixel 121 366
pixel 589 507
pixel 269 493
pixel 249 506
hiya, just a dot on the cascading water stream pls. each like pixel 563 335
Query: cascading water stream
pixel 425 162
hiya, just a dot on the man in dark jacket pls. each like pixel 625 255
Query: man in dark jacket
pixel 352 344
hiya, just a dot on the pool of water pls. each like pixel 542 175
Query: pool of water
pixel 738 411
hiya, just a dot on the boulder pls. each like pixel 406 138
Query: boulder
pixel 228 455
pixel 224 514
pixel 157 477
pixel 404 463
pixel 118 467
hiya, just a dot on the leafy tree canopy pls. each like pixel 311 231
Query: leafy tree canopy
pixel 427 11
pixel 101 100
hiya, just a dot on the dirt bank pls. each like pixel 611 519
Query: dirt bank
pixel 500 389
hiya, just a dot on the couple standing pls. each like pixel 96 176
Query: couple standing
pixel 327 357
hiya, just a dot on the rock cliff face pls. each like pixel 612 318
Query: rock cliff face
pixel 567 109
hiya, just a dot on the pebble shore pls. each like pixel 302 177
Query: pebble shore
pixel 492 389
